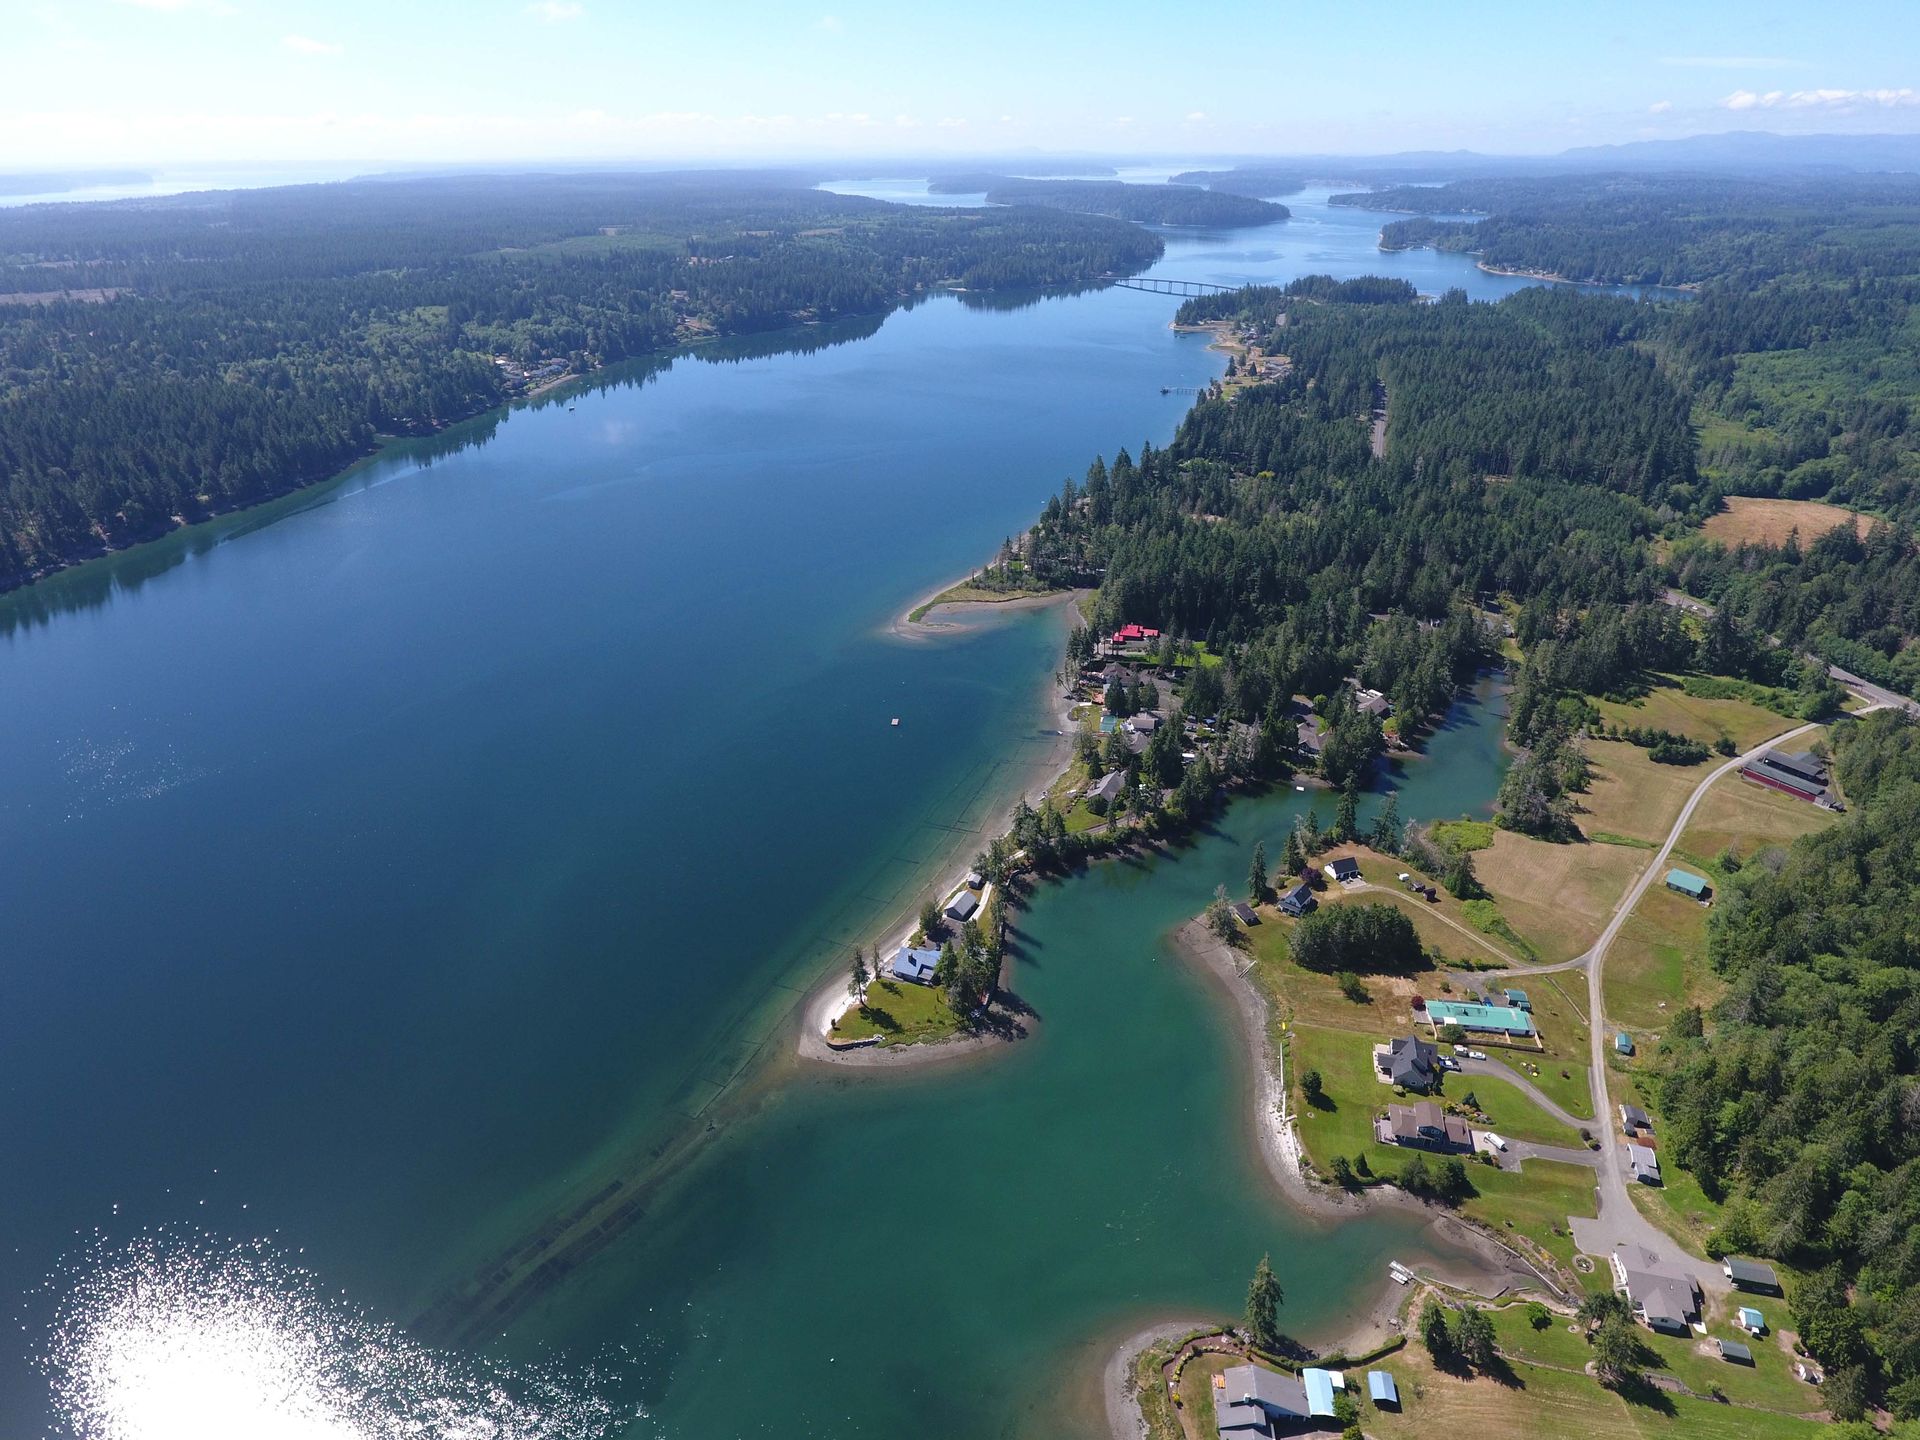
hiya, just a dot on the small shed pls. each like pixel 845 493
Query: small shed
pixel 1623 1043
pixel 1752 1321
pixel 1694 887
pixel 1243 912
pixel 1518 999
pixel 1381 1389
pixel 962 906
pixel 1734 1351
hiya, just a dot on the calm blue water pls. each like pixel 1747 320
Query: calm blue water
pixel 387 861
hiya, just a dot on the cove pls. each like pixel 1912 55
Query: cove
pixel 385 865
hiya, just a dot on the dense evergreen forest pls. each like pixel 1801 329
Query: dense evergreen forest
pixel 1543 468
pixel 236 344
pixel 1799 1104
pixel 1258 181
pixel 1147 204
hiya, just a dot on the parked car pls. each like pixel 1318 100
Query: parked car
pixel 1476 1054
pixel 1495 1141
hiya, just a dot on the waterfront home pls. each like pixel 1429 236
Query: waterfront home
pixel 1133 635
pixel 1243 912
pixel 1663 1297
pixel 962 906
pixel 1381 1389
pixel 1342 869
pixel 1311 735
pixel 914 965
pixel 1634 1120
pixel 1792 772
pixel 1488 1019
pixel 1410 1062
pixel 1297 901
pixel 1250 1402
pixel 1108 786
pixel 1751 1275
pixel 1685 882
pixel 1371 702
pixel 1424 1126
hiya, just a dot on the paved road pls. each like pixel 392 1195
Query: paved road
pixel 1619 1222
pixel 1876 696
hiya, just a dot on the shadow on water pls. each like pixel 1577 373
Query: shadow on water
pixel 93 584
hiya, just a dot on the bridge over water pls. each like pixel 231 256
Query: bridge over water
pixel 1155 286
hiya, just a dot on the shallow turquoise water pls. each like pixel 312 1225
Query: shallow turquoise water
pixel 377 862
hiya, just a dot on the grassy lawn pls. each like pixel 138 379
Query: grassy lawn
pixel 1658 963
pixel 900 1013
pixel 1632 796
pixel 1509 1112
pixel 1547 1395
pixel 1669 707
pixel 1749 817
pixel 1463 834
pixel 1535 1202
pixel 1557 896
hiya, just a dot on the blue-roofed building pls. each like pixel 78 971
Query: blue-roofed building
pixel 1752 1321
pixel 1687 883
pixel 1492 1019
pixel 1623 1042
pixel 914 965
pixel 1319 1385
pixel 1518 999
pixel 1381 1389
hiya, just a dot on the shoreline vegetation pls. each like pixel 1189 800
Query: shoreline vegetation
pixel 307 326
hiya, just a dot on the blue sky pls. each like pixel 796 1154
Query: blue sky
pixel 126 81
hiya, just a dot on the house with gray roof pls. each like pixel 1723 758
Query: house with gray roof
pixel 1410 1062
pixel 1250 1403
pixel 1663 1296
pixel 1297 901
pixel 963 905
pixel 1634 1120
pixel 1643 1163
pixel 914 965
pixel 1424 1126
pixel 1108 786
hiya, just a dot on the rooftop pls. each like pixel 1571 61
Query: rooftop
pixel 1506 1019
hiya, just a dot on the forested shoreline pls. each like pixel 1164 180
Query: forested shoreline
pixel 1549 461
pixel 252 342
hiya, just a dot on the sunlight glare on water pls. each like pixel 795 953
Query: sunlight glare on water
pixel 171 1339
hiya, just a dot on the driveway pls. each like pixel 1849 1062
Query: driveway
pixel 1494 1069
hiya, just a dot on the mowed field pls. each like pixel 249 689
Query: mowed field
pixel 1668 707
pixel 1751 521
pixel 1750 817
pixel 1558 896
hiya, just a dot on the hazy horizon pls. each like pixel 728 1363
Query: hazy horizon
pixel 221 82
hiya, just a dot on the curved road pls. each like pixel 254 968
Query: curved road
pixel 1619 1221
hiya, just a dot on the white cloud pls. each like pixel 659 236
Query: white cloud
pixel 554 11
pixel 1659 107
pixel 829 22
pixel 952 122
pixel 1728 62
pixel 179 7
pixel 307 45
pixel 1196 117
pixel 1905 98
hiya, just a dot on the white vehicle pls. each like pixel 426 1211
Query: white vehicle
pixel 1494 1140
pixel 1476 1054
